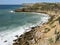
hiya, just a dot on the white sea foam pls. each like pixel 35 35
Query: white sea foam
pixel 9 36
pixel 40 14
pixel 11 11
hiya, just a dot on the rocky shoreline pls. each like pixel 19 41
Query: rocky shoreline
pixel 47 34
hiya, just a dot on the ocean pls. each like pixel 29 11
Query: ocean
pixel 15 23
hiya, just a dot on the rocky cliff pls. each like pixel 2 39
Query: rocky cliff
pixel 47 34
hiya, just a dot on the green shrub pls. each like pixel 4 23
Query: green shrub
pixel 58 19
pixel 50 40
pixel 46 30
pixel 53 26
pixel 57 34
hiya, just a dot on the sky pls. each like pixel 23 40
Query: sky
pixel 25 1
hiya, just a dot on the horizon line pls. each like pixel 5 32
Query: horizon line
pixel 30 3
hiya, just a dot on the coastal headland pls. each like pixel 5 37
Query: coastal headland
pixel 48 33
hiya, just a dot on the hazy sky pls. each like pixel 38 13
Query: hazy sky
pixel 25 1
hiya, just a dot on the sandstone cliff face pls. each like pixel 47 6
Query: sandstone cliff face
pixel 47 34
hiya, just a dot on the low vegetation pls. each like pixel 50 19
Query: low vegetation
pixel 50 40
pixel 46 30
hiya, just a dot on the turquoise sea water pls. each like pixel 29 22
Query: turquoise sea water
pixel 14 23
